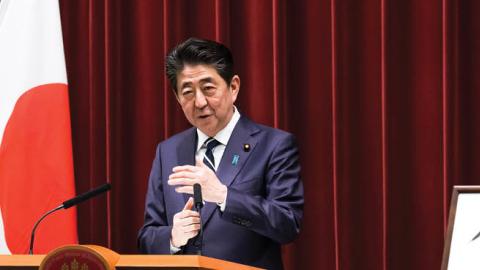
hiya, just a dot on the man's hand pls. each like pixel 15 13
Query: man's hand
pixel 184 177
pixel 186 225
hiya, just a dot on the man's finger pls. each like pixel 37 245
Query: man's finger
pixel 182 174
pixel 184 168
pixel 196 219
pixel 184 189
pixel 181 182
pixel 189 214
pixel 191 234
pixel 191 228
pixel 189 204
pixel 184 215
pixel 199 163
pixel 190 217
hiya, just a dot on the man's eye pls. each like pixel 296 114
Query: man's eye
pixel 187 92
pixel 208 88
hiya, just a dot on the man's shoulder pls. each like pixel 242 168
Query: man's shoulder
pixel 178 137
pixel 266 130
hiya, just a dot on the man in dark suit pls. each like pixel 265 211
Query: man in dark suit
pixel 249 173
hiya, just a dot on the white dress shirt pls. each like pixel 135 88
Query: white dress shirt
pixel 222 136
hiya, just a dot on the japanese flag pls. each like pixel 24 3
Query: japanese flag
pixel 36 164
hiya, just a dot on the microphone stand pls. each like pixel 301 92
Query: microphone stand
pixel 198 201
pixel 67 204
pixel 32 237
pixel 198 207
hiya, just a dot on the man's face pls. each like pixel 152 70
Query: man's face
pixel 206 99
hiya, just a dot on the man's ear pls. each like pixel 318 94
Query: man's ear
pixel 235 86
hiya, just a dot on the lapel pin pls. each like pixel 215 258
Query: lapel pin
pixel 235 160
pixel 246 147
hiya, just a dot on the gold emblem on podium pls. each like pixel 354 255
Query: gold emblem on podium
pixel 80 257
pixel 74 266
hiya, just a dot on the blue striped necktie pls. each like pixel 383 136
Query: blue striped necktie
pixel 209 159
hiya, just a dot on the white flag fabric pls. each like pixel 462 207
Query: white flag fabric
pixel 36 164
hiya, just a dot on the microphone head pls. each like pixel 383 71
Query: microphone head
pixel 87 195
pixel 197 195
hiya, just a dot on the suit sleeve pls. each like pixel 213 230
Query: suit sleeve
pixel 154 236
pixel 278 214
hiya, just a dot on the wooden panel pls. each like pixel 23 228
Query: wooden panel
pixel 132 262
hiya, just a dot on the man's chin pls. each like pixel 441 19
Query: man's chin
pixel 207 128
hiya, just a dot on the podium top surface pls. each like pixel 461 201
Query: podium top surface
pixel 136 261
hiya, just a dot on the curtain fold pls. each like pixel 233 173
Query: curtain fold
pixel 382 96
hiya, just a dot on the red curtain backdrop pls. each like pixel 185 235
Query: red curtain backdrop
pixel 383 96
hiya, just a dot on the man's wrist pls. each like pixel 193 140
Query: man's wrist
pixel 173 243
pixel 173 248
pixel 223 195
pixel 223 202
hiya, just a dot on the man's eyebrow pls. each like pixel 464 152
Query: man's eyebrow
pixel 203 80
pixel 206 80
pixel 185 84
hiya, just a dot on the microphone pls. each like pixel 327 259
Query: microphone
pixel 67 204
pixel 198 202
pixel 85 196
pixel 197 196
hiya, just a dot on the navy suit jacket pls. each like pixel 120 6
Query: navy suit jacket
pixel 264 205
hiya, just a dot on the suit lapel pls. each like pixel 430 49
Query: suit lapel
pixel 233 159
pixel 235 156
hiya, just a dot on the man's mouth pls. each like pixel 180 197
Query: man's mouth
pixel 204 116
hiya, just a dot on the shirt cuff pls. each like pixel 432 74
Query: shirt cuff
pixel 223 204
pixel 173 250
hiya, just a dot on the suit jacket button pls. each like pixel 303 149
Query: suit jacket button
pixel 237 220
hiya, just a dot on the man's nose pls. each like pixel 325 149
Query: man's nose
pixel 200 100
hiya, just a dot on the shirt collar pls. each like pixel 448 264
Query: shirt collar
pixel 223 135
